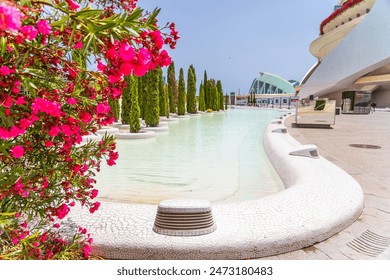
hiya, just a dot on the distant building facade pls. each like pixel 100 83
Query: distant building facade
pixel 269 90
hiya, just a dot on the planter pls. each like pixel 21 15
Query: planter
pixel 157 128
pixel 142 134
pixel 108 130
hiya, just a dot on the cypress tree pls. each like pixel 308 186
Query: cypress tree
pixel 181 107
pixel 135 111
pixel 202 106
pixel 220 94
pixel 114 104
pixel 205 89
pixel 191 91
pixel 171 91
pixel 213 95
pixel 126 102
pixel 162 95
pixel 226 101
pixel 152 98
pixel 142 93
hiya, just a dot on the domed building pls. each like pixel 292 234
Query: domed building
pixel 353 55
pixel 269 89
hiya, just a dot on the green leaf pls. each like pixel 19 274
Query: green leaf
pixel 88 13
pixel 60 23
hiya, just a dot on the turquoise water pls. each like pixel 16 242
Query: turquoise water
pixel 219 158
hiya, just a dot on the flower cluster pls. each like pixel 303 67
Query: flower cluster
pixel 50 98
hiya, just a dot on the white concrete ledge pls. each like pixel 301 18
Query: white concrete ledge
pixel 142 134
pixel 108 130
pixel 161 128
pixel 320 200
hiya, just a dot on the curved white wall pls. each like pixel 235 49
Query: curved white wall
pixel 363 50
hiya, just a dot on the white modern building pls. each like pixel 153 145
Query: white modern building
pixel 353 52
pixel 269 90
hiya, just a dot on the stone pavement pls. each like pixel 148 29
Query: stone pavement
pixel 369 237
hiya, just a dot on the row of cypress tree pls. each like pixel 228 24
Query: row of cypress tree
pixel 148 97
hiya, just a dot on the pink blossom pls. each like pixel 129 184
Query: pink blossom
pixel 94 193
pixel 25 123
pixel 126 52
pixel 116 92
pixel 86 117
pixel 111 53
pixel 101 67
pixel 78 45
pixel 20 101
pixel 114 78
pixel 126 69
pixel 9 18
pixel 54 131
pixel 157 39
pixel 66 129
pixel 165 58
pixel 17 151
pixel 62 211
pixel 143 56
pixel 29 31
pixel 44 27
pixel 140 70
pixel 72 5
pixel 45 106
pixel 4 71
pixel 95 206
pixel 71 101
pixel 15 241
pixel 87 250
pixel 102 108
pixel 49 144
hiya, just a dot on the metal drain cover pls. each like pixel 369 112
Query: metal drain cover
pixel 365 146
pixel 178 217
pixel 370 243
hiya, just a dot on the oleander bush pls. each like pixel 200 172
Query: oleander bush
pixel 50 98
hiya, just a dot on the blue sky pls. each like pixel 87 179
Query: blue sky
pixel 235 40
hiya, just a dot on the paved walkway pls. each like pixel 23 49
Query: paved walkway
pixel 369 237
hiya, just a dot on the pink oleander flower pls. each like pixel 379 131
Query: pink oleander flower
pixel 17 151
pixel 165 58
pixel 4 71
pixel 54 131
pixel 126 52
pixel 94 207
pixel 102 108
pixel 44 27
pixel 9 18
pixel 114 78
pixel 29 31
pixel 143 56
pixel 101 67
pixel 78 45
pixel 94 193
pixel 72 5
pixel 87 250
pixel 157 38
pixel 126 69
pixel 71 101
pixel 62 211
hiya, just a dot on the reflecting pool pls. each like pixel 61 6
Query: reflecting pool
pixel 217 157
